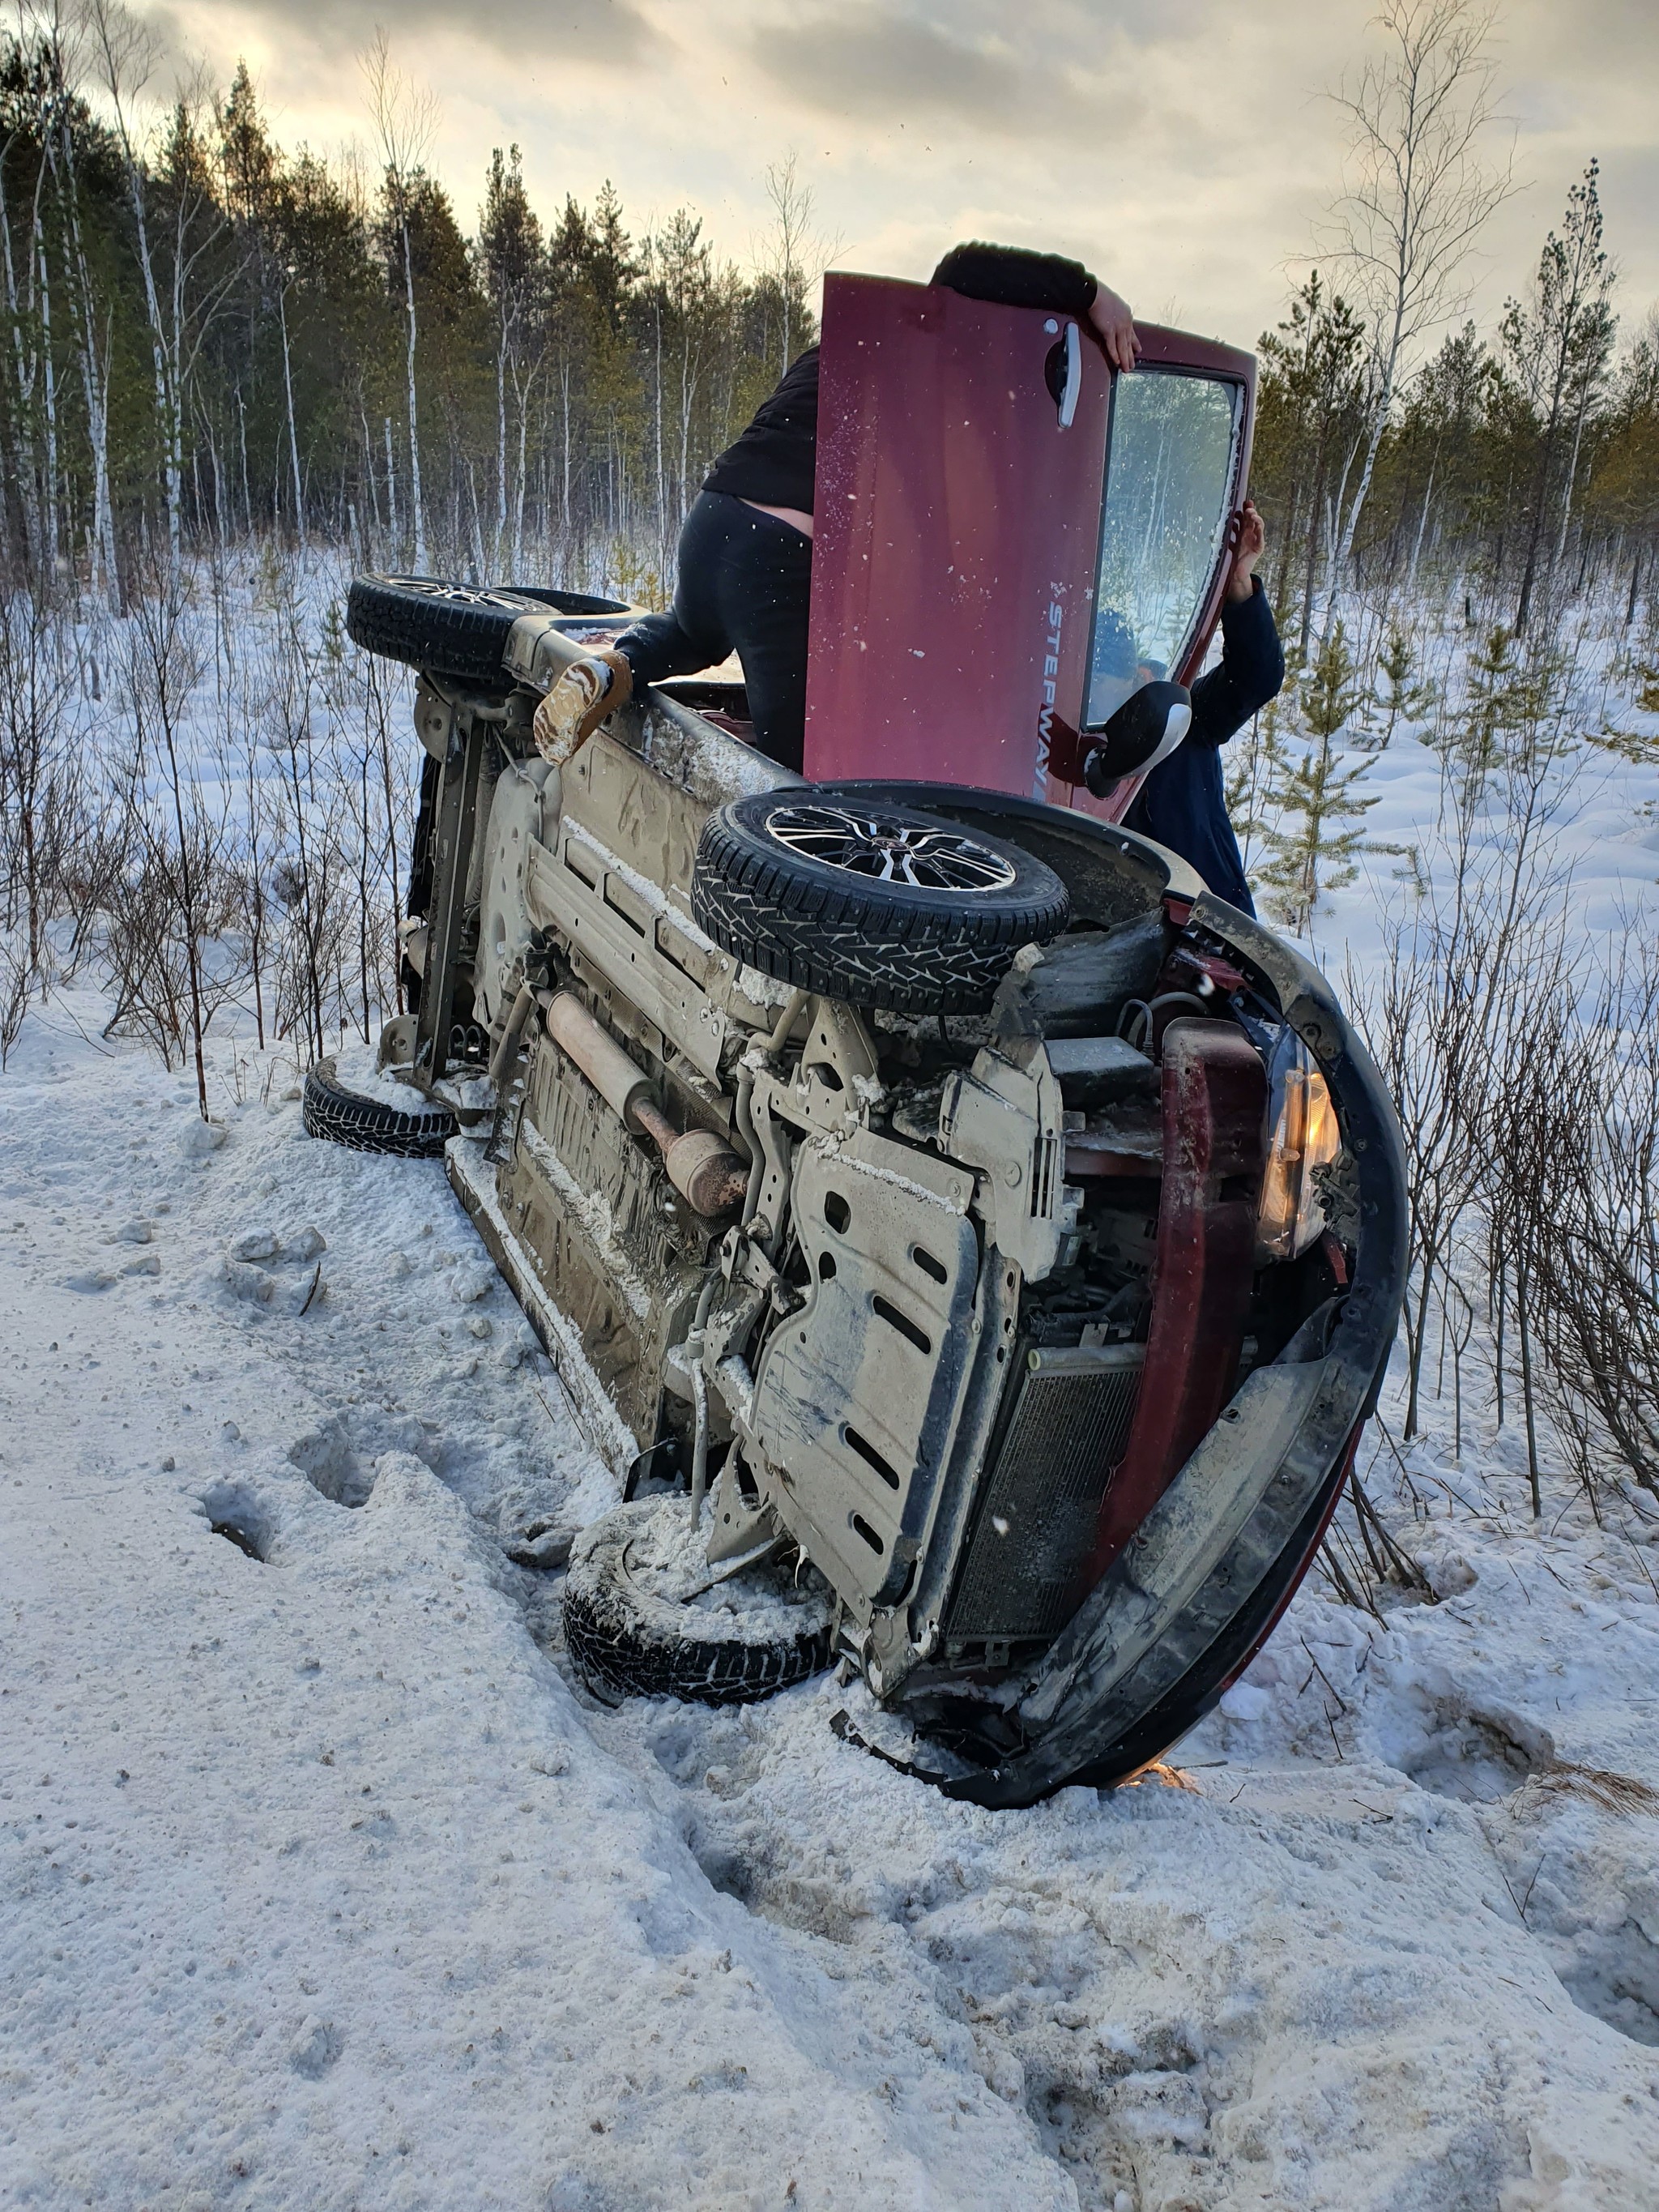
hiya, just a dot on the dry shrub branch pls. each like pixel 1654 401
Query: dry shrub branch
pixel 1575 1129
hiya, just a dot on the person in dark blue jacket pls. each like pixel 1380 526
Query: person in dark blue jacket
pixel 1182 803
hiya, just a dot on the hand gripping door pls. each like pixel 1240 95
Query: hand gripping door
pixel 962 449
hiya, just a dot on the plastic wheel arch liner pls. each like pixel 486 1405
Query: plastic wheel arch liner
pixel 1220 1546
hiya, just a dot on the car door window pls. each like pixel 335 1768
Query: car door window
pixel 1168 494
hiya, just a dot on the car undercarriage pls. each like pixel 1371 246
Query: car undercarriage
pixel 973 1246
pixel 1030 1300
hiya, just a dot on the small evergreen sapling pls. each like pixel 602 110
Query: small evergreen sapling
pixel 1516 710
pixel 1312 848
pixel 1399 689
pixel 1494 710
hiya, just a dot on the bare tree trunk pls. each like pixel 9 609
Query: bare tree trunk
pixel 293 430
pixel 368 468
pixel 49 395
pixel 391 487
pixel 1572 476
pixel 501 443
pixel 22 457
pixel 95 378
pixel 171 477
pixel 1536 525
pixel 414 430
pixel 565 385
pixel 518 508
pixel 1422 524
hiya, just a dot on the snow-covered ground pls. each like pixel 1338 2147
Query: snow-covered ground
pixel 323 1885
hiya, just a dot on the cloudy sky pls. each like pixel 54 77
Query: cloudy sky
pixel 1182 148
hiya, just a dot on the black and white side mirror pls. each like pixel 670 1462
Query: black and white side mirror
pixel 1145 730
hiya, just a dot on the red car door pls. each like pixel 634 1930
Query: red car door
pixel 975 607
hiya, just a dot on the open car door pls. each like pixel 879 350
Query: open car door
pixel 1011 538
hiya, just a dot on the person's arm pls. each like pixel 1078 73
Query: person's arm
pixel 1248 544
pixel 1015 277
pixel 1252 668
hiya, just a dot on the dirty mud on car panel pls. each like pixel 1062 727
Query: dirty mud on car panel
pixel 960 1212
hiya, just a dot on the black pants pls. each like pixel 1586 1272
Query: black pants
pixel 745 583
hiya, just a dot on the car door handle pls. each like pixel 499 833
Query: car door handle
pixel 1062 372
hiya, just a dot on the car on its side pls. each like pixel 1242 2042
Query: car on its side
pixel 997 1235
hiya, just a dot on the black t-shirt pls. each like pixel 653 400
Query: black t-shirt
pixel 775 459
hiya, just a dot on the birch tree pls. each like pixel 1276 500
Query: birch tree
pixel 511 263
pixel 125 55
pixel 1417 190
pixel 405 116
pixel 93 334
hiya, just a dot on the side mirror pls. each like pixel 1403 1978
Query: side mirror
pixel 1145 729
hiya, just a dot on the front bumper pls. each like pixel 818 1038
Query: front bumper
pixel 1197 1589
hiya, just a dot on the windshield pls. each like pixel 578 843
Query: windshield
pixel 1169 488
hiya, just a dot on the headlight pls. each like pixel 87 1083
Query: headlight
pixel 1303 1136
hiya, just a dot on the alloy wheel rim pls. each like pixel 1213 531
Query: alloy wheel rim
pixel 884 848
pixel 466 595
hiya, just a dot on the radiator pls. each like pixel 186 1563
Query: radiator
pixel 1065 1432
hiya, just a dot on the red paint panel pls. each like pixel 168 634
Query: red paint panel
pixel 956 532
pixel 957 535
pixel 1214 1100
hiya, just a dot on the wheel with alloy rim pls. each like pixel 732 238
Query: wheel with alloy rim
pixel 645 1618
pixel 883 906
pixel 458 630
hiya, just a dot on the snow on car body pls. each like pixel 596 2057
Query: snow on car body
pixel 1010 1229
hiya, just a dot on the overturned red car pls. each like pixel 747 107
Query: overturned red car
pixel 974 1246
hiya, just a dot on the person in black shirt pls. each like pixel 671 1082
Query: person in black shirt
pixel 745 552
pixel 1182 803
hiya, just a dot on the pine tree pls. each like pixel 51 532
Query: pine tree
pixel 1516 701
pixel 1253 766
pixel 1312 404
pixel 1559 341
pixel 1313 846
pixel 1400 690
pixel 1494 710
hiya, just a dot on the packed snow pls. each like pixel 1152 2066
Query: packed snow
pixel 325 1885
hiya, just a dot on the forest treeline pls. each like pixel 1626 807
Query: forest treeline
pixel 213 337
pixel 210 338
pixel 1526 461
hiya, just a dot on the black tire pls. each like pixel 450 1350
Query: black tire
pixel 452 629
pixel 346 1117
pixel 913 946
pixel 628 1640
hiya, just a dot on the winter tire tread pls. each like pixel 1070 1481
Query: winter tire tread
pixel 629 1644
pixel 851 937
pixel 461 638
pixel 330 1111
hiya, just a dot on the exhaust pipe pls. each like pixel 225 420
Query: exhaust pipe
pixel 703 1167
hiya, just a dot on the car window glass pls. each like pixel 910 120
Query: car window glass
pixel 1169 485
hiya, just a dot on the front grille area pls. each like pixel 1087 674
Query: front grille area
pixel 1065 1432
